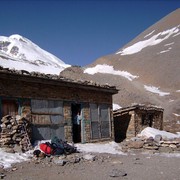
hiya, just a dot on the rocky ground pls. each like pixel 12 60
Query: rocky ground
pixel 135 165
pixel 138 158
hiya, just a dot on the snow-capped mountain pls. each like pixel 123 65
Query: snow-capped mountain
pixel 17 52
pixel 146 70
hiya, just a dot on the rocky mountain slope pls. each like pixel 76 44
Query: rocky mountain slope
pixel 146 70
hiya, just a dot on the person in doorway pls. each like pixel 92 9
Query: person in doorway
pixel 77 125
pixel 79 117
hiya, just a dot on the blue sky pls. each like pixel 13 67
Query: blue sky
pixel 80 31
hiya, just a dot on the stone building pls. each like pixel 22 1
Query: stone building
pixel 51 104
pixel 130 121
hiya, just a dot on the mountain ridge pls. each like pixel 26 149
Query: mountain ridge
pixel 152 57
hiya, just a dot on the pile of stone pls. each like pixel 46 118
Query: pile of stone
pixel 15 132
pixel 156 144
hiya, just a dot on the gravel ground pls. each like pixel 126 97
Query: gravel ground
pixel 133 166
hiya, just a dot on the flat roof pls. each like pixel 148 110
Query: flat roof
pixel 50 79
pixel 135 107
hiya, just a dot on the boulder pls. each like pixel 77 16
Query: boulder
pixel 157 138
pixel 136 144
pixel 89 157
pixel 165 149
pixel 59 162
pixel 117 173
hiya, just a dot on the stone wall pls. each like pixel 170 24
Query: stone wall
pixel 138 117
pixel 23 89
pixel 158 144
pixel 158 120
pixel 68 121
pixel 87 125
pixel 136 123
pixel 133 124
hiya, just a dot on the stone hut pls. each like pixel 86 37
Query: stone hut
pixel 130 121
pixel 51 103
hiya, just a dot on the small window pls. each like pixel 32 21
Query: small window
pixel 147 120
pixel 9 107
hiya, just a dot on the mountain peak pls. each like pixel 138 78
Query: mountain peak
pixel 17 37
pixel 20 53
pixel 20 38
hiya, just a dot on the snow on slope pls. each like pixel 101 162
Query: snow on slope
pixel 154 40
pixel 106 69
pixel 17 52
pixel 116 106
pixel 156 90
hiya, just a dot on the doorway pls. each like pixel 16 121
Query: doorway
pixel 121 124
pixel 76 122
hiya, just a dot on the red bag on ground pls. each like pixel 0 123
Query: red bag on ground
pixel 46 148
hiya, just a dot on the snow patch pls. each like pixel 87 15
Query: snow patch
pixel 176 34
pixel 7 159
pixel 110 148
pixel 30 67
pixel 154 40
pixel 156 90
pixel 149 34
pixel 178 91
pixel 152 132
pixel 176 114
pixel 170 155
pixel 116 106
pixel 106 69
pixel 169 44
pixel 165 50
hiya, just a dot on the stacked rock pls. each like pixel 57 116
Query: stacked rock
pixel 156 144
pixel 15 131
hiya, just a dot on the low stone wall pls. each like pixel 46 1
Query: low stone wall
pixel 155 145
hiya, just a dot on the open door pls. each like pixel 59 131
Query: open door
pixel 76 122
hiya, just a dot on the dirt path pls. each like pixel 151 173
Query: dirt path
pixel 104 167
